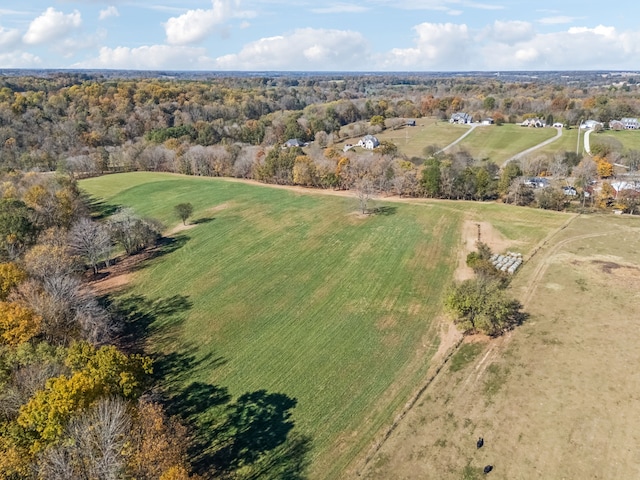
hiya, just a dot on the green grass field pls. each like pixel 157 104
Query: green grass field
pixel 567 143
pixel 412 141
pixel 498 143
pixel 296 294
pixel 630 139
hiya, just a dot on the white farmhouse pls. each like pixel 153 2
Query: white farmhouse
pixel 369 142
pixel 630 123
pixel 462 118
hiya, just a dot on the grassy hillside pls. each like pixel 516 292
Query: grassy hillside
pixel 498 143
pixel 298 295
pixel 412 141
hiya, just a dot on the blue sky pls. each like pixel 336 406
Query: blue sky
pixel 374 35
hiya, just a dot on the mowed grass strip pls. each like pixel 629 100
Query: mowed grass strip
pixel 500 142
pixel 411 141
pixel 630 139
pixel 297 294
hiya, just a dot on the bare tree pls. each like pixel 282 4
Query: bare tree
pixel 132 232
pixel 365 191
pixel 584 173
pixel 90 241
pixel 95 444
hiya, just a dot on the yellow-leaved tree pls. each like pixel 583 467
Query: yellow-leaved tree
pixel 10 277
pixel 94 373
pixel 18 324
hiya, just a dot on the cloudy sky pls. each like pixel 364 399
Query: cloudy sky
pixel 308 35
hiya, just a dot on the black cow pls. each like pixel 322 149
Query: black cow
pixel 487 469
pixel 480 442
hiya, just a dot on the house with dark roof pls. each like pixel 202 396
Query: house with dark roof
pixel 369 142
pixel 461 118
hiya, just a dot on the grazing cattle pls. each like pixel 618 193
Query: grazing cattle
pixel 480 442
pixel 487 469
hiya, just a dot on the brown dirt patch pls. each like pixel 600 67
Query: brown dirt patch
pixel 489 235
pixel 180 228
pixel 118 274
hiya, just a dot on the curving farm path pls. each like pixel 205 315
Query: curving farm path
pixel 455 142
pixel 535 147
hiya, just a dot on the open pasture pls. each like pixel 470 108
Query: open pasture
pixel 500 142
pixel 411 141
pixel 557 397
pixel 428 132
pixel 296 294
pixel 630 139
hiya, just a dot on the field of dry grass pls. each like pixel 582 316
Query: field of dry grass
pixel 556 398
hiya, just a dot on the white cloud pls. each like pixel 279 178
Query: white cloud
pixel 483 6
pixel 110 11
pixel 19 60
pixel 340 8
pixel 304 49
pixel 510 32
pixel 438 45
pixel 556 20
pixel 579 48
pixel 51 25
pixel 8 37
pixel 195 25
pixel 600 30
pixel 151 57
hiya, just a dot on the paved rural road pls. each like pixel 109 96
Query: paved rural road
pixel 587 144
pixel 529 150
pixel 473 127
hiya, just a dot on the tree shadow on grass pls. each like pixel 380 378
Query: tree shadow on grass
pixel 140 317
pixel 250 438
pixel 98 208
pixel 167 245
pixel 201 220
pixel 385 210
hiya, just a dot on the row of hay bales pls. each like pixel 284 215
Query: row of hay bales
pixel 509 262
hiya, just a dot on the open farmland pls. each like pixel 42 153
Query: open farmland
pixel 295 294
pixel 428 132
pixel 556 398
pixel 567 143
pixel 630 139
pixel 411 141
pixel 500 142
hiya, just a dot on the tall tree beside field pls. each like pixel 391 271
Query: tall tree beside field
pixel 431 177
pixel 365 191
pixel 183 211
pixel 510 171
pixel 90 241
pixel 132 232
pixel 482 305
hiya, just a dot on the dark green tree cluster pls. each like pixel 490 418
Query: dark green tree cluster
pixel 481 304
pixel 457 177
